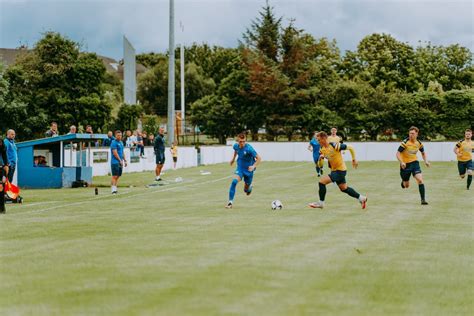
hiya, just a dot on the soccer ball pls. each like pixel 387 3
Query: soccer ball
pixel 276 205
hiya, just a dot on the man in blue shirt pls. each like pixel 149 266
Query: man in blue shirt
pixel 117 161
pixel 108 141
pixel 247 162
pixel 314 147
pixel 11 153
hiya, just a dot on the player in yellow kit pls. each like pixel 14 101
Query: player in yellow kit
pixel 409 164
pixel 332 152
pixel 334 138
pixel 463 151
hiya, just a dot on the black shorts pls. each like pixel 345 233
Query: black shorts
pixel 116 170
pixel 160 158
pixel 175 159
pixel 412 168
pixel 338 176
pixel 463 166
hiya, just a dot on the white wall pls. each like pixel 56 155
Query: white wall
pixel 187 156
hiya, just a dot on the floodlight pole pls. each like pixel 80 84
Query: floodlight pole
pixel 171 82
pixel 183 110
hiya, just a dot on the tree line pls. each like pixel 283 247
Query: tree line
pixel 280 80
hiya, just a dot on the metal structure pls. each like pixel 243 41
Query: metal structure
pixel 171 77
pixel 183 105
pixel 129 73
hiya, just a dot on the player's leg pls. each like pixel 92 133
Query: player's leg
pixel 469 174
pixel 113 182
pixel 248 179
pixel 233 185
pixel 421 186
pixel 2 193
pixel 160 161
pixel 325 180
pixel 342 184
pixel 462 168
pixel 405 176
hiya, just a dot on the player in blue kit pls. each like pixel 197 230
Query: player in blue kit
pixel 314 147
pixel 247 162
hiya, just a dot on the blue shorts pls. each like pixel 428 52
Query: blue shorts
pixel 463 166
pixel 412 168
pixel 338 176
pixel 245 175
pixel 315 158
pixel 116 170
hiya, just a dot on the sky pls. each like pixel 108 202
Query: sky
pixel 99 25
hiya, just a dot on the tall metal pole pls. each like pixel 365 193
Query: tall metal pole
pixel 183 111
pixel 171 82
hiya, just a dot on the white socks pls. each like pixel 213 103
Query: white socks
pixel 114 188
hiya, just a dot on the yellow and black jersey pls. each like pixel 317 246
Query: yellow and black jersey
pixel 333 154
pixel 409 149
pixel 334 139
pixel 465 148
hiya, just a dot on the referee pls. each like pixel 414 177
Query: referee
pixel 3 174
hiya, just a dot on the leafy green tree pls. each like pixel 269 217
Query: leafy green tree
pixel 264 33
pixel 217 117
pixel 60 83
pixel 128 116
pixel 457 112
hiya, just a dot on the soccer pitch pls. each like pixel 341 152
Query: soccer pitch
pixel 175 250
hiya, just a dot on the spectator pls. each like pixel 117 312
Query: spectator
pixel 72 130
pixel 11 153
pixel 140 144
pixel 128 134
pixel 42 161
pixel 108 141
pixel 53 131
pixel 151 139
pixel 132 140
pixel 174 154
pixel 89 129
pixel 145 138
pixel 36 161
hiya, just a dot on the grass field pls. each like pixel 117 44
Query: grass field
pixel 174 250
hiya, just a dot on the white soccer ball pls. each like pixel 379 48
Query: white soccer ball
pixel 277 205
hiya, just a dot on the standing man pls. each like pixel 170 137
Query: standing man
pixel 247 162
pixel 409 164
pixel 11 154
pixel 159 147
pixel 118 161
pixel 108 141
pixel 463 151
pixel 314 147
pixel 72 130
pixel 334 138
pixel 53 131
pixel 3 174
pixel 332 152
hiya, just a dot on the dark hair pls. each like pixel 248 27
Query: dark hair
pixel 414 128
pixel 118 131
pixel 242 136
pixel 468 130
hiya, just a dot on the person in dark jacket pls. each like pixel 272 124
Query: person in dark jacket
pixel 159 147
pixel 108 141
pixel 3 174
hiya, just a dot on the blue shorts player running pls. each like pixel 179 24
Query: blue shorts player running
pixel 247 162
pixel 314 147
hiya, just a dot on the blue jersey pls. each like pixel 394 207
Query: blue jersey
pixel 247 156
pixel 117 145
pixel 316 147
pixel 11 151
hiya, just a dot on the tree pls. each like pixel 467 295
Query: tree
pixel 58 82
pixel 264 33
pixel 128 116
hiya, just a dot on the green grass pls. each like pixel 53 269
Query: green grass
pixel 174 250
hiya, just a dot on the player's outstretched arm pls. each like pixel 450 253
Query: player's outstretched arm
pixel 425 159
pixel 355 163
pixel 233 158
pixel 399 158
